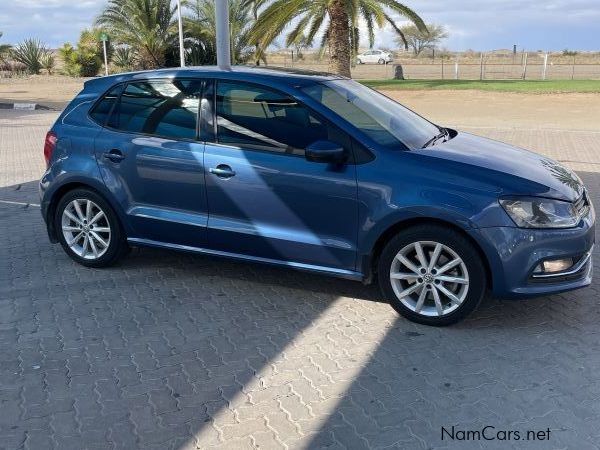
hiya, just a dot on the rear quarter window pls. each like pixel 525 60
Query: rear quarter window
pixel 104 107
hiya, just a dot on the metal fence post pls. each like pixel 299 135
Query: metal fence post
pixel 573 69
pixel 525 66
pixel 481 67
pixel 442 68
pixel 456 70
pixel 545 68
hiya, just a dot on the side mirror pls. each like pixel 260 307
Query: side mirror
pixel 325 152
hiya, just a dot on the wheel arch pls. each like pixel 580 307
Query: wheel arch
pixel 69 186
pixel 370 261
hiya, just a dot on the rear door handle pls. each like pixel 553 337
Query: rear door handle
pixel 114 155
pixel 222 171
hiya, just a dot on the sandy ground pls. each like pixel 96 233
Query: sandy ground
pixel 53 91
pixel 573 111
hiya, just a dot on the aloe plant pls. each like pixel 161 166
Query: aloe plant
pixel 30 52
pixel 124 58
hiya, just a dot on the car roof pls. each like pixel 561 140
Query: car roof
pixel 276 75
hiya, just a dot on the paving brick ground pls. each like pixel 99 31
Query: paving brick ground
pixel 174 351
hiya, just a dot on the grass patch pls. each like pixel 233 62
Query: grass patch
pixel 529 86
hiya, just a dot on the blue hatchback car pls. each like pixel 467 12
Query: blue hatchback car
pixel 314 172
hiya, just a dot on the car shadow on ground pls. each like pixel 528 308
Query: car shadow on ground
pixel 169 347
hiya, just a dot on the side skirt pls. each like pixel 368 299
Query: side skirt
pixel 340 273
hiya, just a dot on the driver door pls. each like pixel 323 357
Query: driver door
pixel 265 199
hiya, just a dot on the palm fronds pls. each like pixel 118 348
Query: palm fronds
pixel 316 17
pixel 146 25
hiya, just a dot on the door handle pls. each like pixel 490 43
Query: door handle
pixel 222 171
pixel 114 155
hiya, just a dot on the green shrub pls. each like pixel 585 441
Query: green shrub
pixel 70 58
pixel 4 50
pixel 48 62
pixel 85 60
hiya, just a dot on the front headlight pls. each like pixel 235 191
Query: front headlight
pixel 532 212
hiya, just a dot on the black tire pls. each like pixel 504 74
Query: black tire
pixel 381 61
pixel 117 245
pixel 456 242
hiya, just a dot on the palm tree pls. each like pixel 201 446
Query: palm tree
pixel 255 6
pixel 201 27
pixel 338 19
pixel 148 26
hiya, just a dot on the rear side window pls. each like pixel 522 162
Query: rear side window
pixel 160 108
pixel 252 115
pixel 104 107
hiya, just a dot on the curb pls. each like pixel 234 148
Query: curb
pixel 24 106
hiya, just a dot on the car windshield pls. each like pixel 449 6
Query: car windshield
pixel 386 122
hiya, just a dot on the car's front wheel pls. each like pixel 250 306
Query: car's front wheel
pixel 381 61
pixel 432 275
pixel 88 229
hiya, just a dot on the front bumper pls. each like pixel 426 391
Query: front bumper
pixel 513 253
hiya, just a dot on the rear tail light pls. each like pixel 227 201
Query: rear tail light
pixel 49 146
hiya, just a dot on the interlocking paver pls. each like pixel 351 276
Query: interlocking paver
pixel 171 350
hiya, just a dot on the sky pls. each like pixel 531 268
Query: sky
pixel 472 24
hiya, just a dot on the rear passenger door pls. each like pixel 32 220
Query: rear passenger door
pixel 265 199
pixel 151 160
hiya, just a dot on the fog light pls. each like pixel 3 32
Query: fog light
pixel 557 265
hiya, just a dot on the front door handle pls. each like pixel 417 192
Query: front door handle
pixel 222 171
pixel 114 155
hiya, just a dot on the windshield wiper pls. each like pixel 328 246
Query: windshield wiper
pixel 443 134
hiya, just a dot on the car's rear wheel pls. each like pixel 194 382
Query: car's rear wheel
pixel 432 275
pixel 88 229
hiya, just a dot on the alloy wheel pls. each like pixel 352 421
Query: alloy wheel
pixel 429 278
pixel 86 229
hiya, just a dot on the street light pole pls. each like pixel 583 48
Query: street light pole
pixel 181 49
pixel 104 38
pixel 105 59
pixel 223 40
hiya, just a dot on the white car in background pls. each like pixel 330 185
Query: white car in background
pixel 374 57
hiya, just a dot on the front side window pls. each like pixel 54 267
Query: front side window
pixel 386 122
pixel 252 115
pixel 160 108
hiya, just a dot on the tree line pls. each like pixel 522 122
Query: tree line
pixel 143 34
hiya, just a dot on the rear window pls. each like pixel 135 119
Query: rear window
pixel 161 108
